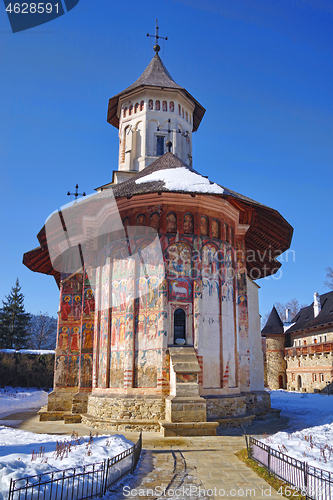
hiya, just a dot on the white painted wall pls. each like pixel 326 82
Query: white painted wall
pixel 256 355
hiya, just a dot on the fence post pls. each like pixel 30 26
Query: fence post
pixel 306 479
pixel 10 487
pixel 269 461
pixel 106 473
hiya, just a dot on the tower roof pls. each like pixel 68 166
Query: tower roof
pixel 155 75
pixel 274 324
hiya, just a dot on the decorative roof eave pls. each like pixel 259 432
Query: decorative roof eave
pixel 38 260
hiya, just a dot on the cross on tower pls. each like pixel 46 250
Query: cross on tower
pixel 156 36
pixel 76 194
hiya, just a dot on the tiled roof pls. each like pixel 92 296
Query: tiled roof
pixel 167 161
pixel 305 319
pixel 155 75
pixel 274 324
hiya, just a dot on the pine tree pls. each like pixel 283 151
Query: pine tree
pixel 14 321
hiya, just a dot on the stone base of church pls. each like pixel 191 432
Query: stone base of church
pixel 120 424
pixel 239 405
pixel 128 407
pixel 170 416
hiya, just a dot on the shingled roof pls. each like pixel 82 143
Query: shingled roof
pixel 166 162
pixel 305 319
pixel 155 75
pixel 274 324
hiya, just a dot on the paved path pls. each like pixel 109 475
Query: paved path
pixel 179 468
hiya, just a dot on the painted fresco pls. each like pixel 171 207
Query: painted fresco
pixel 86 370
pixel 188 224
pixel 179 259
pixel 171 226
pixel 180 289
pixel 146 368
pixel 204 225
pixel 117 369
pixel 73 371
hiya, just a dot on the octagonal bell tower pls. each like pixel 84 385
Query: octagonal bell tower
pixel 154 116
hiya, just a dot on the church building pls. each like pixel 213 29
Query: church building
pixel 159 325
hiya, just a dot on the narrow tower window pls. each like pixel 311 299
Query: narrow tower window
pixel 171 106
pixel 160 145
pixel 179 322
pixel 164 106
pixel 142 105
pixel 157 105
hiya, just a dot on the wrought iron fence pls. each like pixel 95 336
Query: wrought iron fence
pixel 312 482
pixel 79 483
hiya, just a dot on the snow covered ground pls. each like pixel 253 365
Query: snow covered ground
pixel 13 400
pixel 309 436
pixel 311 427
pixel 28 454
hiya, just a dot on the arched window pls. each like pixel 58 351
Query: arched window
pixel 150 104
pixel 171 106
pixel 157 105
pixel 164 106
pixel 125 111
pixel 179 326
pixel 183 112
pixel 179 109
pixel 130 109
pixel 136 109
pixel 142 103
pixel 186 115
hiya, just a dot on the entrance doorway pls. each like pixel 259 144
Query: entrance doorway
pixel 299 382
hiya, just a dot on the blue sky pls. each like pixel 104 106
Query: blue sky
pixel 263 71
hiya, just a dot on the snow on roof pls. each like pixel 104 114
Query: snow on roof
pixel 182 179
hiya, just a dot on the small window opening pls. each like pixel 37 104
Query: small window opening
pixel 179 319
pixel 160 145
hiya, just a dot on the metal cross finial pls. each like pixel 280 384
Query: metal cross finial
pixel 156 36
pixel 76 194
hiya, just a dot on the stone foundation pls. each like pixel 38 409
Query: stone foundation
pixel 115 406
pixel 252 403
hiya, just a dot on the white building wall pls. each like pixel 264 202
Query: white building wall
pixel 256 354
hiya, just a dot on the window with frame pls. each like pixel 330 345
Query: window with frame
pixel 160 145
pixel 179 325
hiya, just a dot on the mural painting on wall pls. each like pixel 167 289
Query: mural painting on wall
pixel 73 371
pixel 188 224
pixel 61 371
pixel 75 339
pixel 86 370
pixel 171 226
pixel 215 228
pixel 87 338
pixel 154 221
pixel 145 368
pixel 66 307
pixel 63 338
pixel 141 220
pixel 77 308
pixel 179 259
pixel 117 369
pixel 211 257
pixel 203 225
pixel 89 303
pixel 180 289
